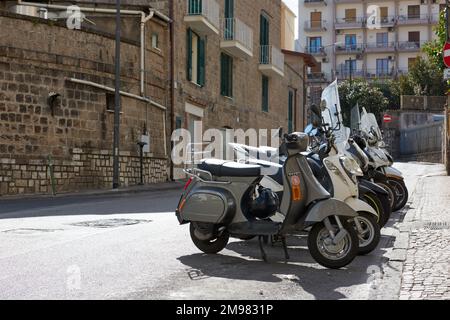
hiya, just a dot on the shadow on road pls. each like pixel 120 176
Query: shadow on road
pixel 301 269
pixel 151 202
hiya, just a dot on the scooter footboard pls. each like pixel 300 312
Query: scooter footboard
pixel 327 208
pixel 209 205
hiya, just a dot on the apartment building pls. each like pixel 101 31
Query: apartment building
pixel 231 71
pixel 364 38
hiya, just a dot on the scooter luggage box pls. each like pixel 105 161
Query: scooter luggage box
pixel 209 205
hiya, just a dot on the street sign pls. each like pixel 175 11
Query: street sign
pixel 387 118
pixel 447 74
pixel 446 54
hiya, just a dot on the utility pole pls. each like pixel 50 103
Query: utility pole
pixel 447 15
pixel 116 165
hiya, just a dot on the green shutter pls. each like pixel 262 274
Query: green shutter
pixel 189 55
pixel 226 75
pixel 265 94
pixel 201 62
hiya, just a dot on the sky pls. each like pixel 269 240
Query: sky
pixel 293 5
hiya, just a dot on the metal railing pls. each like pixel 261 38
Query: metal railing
pixel 355 22
pixel 374 46
pixel 315 2
pixel 357 47
pixel 271 55
pixel 380 73
pixel 414 18
pixel 346 73
pixel 235 29
pixel 316 25
pixel 318 77
pixel 410 45
pixel 209 9
pixel 316 50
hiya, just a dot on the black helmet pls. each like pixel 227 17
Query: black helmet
pixel 265 205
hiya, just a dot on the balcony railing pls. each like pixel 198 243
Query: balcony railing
pixel 318 77
pixel 207 9
pixel 319 51
pixel 380 73
pixel 316 25
pixel 349 23
pixel 234 29
pixel 380 46
pixel 271 57
pixel 410 45
pixel 346 73
pixel 413 19
pixel 315 2
pixel 349 48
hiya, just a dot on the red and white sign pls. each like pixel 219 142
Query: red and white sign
pixel 387 118
pixel 446 54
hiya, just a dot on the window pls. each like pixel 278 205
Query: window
pixel 382 39
pixel 229 20
pixel 315 44
pixel 265 94
pixel 155 41
pixel 178 123
pixel 226 75
pixel 264 38
pixel 350 67
pixel 350 15
pixel 110 101
pixel 291 108
pixel 414 37
pixel 317 68
pixel 411 62
pixel 350 41
pixel 384 11
pixel 414 12
pixel 316 19
pixel 195 7
pixel 382 67
pixel 195 58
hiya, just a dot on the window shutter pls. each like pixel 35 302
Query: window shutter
pixel 265 94
pixel 189 55
pixel 201 62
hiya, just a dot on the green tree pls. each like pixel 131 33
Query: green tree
pixel 391 91
pixel 434 48
pixel 360 92
pixel 426 78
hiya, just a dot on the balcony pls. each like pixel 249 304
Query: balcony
pixel 350 48
pixel 379 74
pixel 311 3
pixel 237 38
pixel 434 18
pixel 413 19
pixel 380 47
pixel 318 77
pixel 203 16
pixel 349 23
pixel 271 61
pixel 346 1
pixel 313 26
pixel 388 21
pixel 345 74
pixel 410 46
pixel 316 51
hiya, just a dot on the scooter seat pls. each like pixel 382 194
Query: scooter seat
pixel 223 168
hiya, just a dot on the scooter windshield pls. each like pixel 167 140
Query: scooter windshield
pixel 355 118
pixel 369 125
pixel 332 114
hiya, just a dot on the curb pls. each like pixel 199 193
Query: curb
pixel 152 188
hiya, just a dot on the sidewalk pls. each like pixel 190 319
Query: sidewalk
pixel 425 242
pixel 177 185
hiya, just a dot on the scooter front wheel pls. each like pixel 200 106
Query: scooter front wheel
pixel 401 192
pixel 212 245
pixel 329 254
pixel 368 232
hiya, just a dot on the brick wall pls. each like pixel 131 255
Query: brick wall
pixel 38 57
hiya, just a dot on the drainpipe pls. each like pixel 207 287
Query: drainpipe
pixel 172 82
pixel 144 20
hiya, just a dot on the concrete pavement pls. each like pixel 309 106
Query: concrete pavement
pixel 130 246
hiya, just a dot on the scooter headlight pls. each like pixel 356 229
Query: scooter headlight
pixel 351 166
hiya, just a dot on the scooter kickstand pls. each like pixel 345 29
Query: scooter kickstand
pixel 263 253
pixel 286 254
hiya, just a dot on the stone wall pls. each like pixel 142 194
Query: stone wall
pixel 37 58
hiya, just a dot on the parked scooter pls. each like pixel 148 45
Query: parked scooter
pixel 224 199
pixel 381 170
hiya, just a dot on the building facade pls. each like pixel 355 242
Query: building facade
pixel 364 39
pixel 230 70
pixel 57 102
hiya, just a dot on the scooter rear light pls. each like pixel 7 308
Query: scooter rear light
pixel 188 183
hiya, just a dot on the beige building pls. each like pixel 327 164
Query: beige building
pixel 364 39
pixel 288 27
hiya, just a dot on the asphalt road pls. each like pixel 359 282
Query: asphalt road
pixel 131 247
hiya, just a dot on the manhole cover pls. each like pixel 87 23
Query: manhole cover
pixel 109 223
pixel 31 230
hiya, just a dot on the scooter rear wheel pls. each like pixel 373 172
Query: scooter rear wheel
pixel 370 236
pixel 384 210
pixel 325 252
pixel 211 246
pixel 401 191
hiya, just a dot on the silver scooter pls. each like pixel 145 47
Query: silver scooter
pixel 224 199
